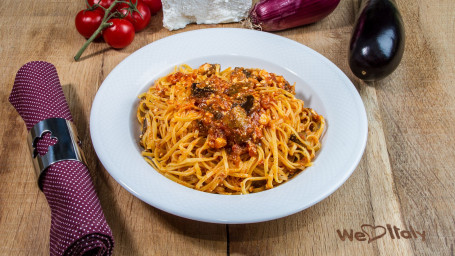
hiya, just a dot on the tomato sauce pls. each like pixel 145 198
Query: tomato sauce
pixel 233 109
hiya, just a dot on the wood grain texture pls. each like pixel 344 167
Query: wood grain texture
pixel 405 179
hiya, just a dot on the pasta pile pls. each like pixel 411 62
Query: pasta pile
pixel 232 131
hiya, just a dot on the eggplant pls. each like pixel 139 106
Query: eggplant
pixel 198 92
pixel 377 41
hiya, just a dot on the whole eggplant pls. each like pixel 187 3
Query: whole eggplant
pixel 377 41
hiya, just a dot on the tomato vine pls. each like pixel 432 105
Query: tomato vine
pixel 106 22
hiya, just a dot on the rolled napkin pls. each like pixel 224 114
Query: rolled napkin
pixel 78 225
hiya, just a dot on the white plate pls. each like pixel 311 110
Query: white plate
pixel 319 83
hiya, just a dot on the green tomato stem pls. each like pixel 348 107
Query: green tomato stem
pixel 87 43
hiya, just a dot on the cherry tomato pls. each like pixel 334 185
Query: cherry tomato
pixel 154 5
pixel 104 3
pixel 139 21
pixel 121 6
pixel 87 22
pixel 120 34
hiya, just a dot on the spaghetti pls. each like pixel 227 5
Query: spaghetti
pixel 232 131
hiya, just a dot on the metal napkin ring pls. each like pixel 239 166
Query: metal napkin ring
pixel 66 148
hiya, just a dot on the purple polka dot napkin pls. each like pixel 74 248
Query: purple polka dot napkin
pixel 78 225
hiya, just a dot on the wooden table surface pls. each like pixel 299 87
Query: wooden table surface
pixel 405 181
